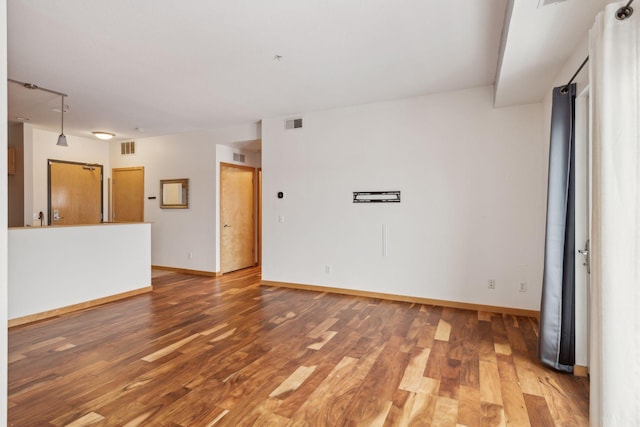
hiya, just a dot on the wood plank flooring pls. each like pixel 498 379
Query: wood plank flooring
pixel 201 351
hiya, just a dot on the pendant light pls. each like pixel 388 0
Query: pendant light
pixel 62 140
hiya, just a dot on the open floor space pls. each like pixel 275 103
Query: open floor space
pixel 226 351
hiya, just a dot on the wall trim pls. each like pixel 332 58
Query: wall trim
pixel 187 271
pixel 406 298
pixel 580 371
pixel 76 307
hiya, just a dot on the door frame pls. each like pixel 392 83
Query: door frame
pixel 582 231
pixel 258 210
pixel 254 212
pixel 94 165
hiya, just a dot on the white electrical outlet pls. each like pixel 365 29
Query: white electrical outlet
pixel 523 286
pixel 492 284
pixel 327 268
pixel 190 255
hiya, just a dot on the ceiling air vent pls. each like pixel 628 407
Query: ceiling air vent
pixel 128 147
pixel 293 123
pixel 542 3
pixel 237 157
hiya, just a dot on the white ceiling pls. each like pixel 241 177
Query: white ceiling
pixel 172 66
pixel 538 42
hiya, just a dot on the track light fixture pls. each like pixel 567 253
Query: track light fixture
pixel 62 139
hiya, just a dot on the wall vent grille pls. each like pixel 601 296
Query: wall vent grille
pixel 293 123
pixel 542 3
pixel 128 147
pixel 237 157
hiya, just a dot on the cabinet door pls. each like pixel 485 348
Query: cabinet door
pixel 11 160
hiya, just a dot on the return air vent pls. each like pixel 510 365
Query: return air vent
pixel 237 157
pixel 293 123
pixel 128 147
pixel 542 3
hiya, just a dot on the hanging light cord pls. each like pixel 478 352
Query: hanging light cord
pixel 621 14
pixel 62 116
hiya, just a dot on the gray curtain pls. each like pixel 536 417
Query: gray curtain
pixel 557 309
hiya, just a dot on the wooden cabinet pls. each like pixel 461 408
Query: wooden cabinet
pixel 11 160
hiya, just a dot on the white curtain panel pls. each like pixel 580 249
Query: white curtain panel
pixel 614 68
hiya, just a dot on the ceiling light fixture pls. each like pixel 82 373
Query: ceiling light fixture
pixel 105 136
pixel 62 140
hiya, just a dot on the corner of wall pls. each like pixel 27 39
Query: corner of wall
pixel 3 214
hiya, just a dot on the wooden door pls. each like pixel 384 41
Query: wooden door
pixel 127 195
pixel 75 193
pixel 237 219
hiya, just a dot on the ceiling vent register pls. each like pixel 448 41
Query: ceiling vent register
pixel 542 3
pixel 293 123
pixel 127 148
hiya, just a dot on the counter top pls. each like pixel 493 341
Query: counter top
pixel 49 227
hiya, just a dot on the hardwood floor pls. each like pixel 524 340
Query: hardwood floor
pixel 201 351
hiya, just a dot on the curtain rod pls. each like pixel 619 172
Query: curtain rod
pixel 625 11
pixel 621 14
pixel 565 88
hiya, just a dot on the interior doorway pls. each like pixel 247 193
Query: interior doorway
pixel 127 204
pixel 237 217
pixel 74 193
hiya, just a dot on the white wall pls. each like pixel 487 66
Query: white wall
pixel 40 146
pixel 176 233
pixel 472 199
pixel 54 267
